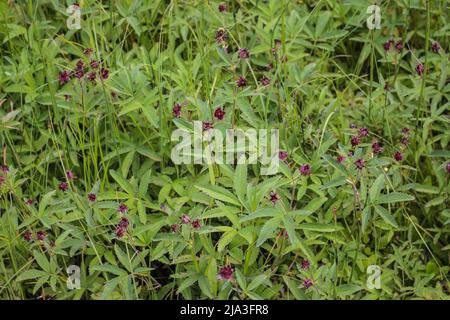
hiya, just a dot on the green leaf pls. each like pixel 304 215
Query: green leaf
pixel 394 197
pixel 267 230
pixel 320 227
pixel 240 182
pixel 219 193
pixel 376 188
pixel 31 274
pixel 124 184
pixel 387 217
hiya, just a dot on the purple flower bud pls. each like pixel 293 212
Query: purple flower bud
pixel 435 47
pixel 120 232
pixel 176 110
pixel 88 51
pixel 244 53
pixel 264 81
pixel 340 159
pixel 307 283
pixel 219 113
pixel 40 235
pixel 226 273
pixel 94 64
pixel 376 147
pixel 124 222
pixel 305 264
pixel 122 208
pixel 222 7
pixel 175 227
pixel 207 125
pixel 221 36
pixel 388 45
pixel 283 155
pixel 355 140
pixel 104 73
pixel 398 156
pixel 241 82
pixel 63 186
pixel 91 76
pixel 27 236
pixel 360 164
pixel 274 197
pixel 305 170
pixel 70 175
pixel 353 126
pixel 399 45
pixel 404 140
pixel 92 197
pixel 64 77
pixel 419 69
pixel 185 219
pixel 196 224
pixel 363 132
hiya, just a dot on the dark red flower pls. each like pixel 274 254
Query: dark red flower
pixel 94 64
pixel 448 167
pixel 269 66
pixel 305 169
pixel 283 233
pixel 404 140
pixel 243 53
pixel 274 197
pixel 113 94
pixel 376 147
pixel 435 47
pixel 241 82
pixel 175 227
pixel 305 264
pixel 78 74
pixel 355 140
pixel 221 36
pixel 360 163
pixel 398 156
pixel 277 42
pixel 222 7
pixel 120 232
pixel 40 235
pixel 124 222
pixel 388 45
pixel 264 81
pixel 363 132
pixel 226 273
pixel 27 236
pixel 307 283
pixel 70 175
pixel 88 51
pixel 340 159
pixel 63 186
pixel 104 73
pixel 420 69
pixel 91 76
pixel 122 208
pixel 196 224
pixel 5 169
pixel 67 97
pixel 64 77
pixel 2 180
pixel 29 202
pixel 92 197
pixel 80 65
pixel 219 113
pixel 399 45
pixel 185 219
pixel 176 110
pixel 283 155
pixel 350 154
pixel 207 125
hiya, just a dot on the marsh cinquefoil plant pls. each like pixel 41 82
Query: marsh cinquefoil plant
pixel 87 177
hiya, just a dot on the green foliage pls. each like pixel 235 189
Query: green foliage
pixel 328 71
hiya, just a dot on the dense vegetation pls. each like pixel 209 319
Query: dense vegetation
pixel 87 177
